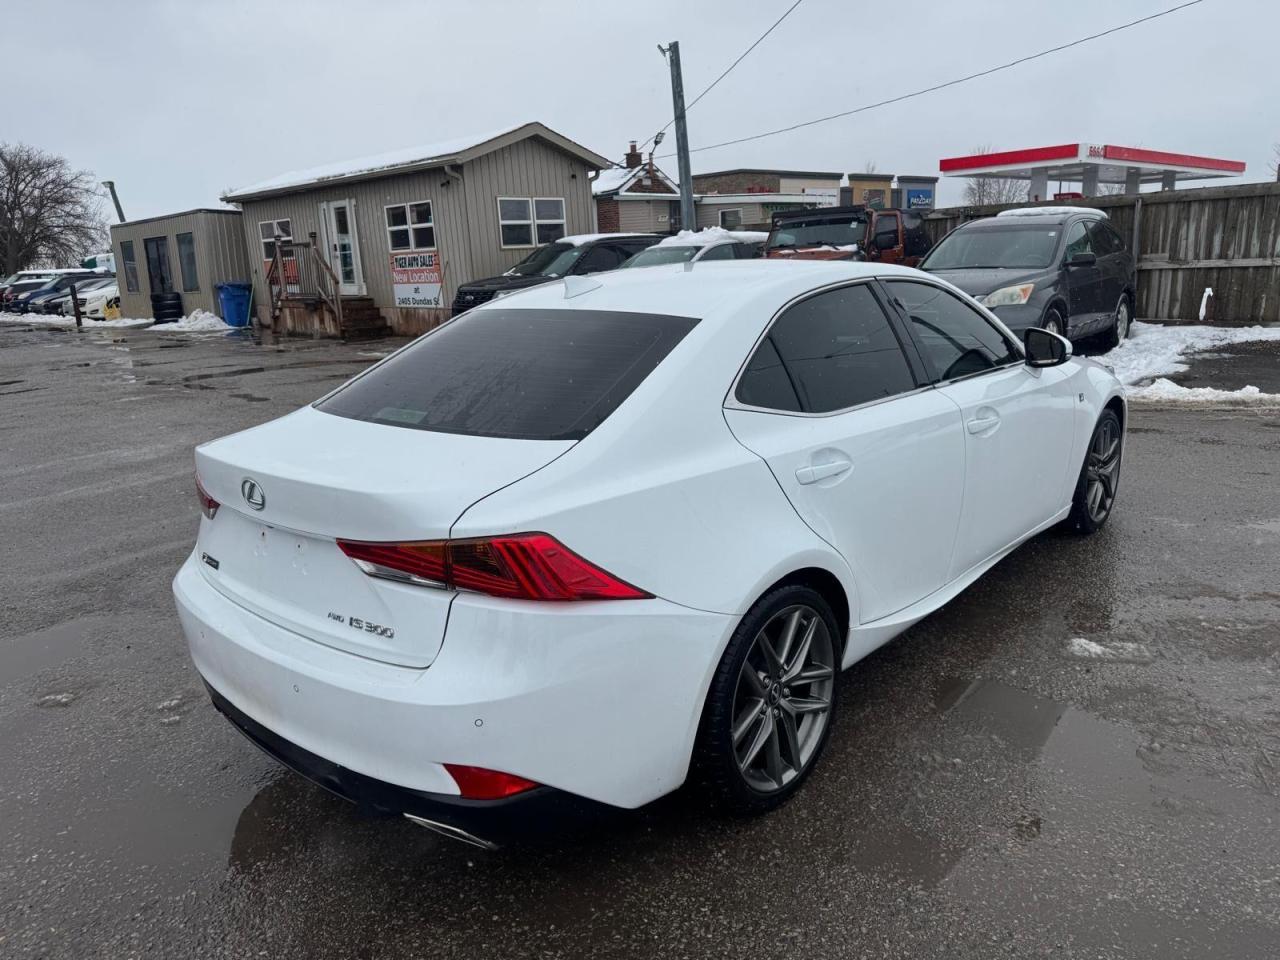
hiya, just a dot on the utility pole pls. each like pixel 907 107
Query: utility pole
pixel 111 188
pixel 688 219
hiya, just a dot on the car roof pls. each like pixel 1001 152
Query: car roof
pixel 705 290
pixel 581 239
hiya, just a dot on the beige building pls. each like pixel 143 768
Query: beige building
pixel 636 197
pixel 389 239
pixel 187 254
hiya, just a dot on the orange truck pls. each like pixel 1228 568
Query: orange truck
pixel 848 233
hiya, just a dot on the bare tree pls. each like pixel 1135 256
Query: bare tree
pixel 1275 160
pixel 981 191
pixel 50 214
pixel 871 167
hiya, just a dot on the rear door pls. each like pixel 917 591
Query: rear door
pixel 1018 421
pixel 1113 268
pixel 832 400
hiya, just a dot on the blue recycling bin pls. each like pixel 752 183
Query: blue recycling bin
pixel 234 299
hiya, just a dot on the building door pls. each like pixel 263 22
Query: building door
pixel 338 221
pixel 158 272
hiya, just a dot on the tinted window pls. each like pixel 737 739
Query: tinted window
pixel 187 262
pixel 956 338
pixel 838 350
pixel 1104 238
pixel 765 383
pixel 915 237
pixel 1077 240
pixel 530 374
pixel 886 225
pixel 130 266
pixel 157 251
pixel 600 258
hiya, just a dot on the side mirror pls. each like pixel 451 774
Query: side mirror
pixel 885 241
pixel 1083 260
pixel 1045 349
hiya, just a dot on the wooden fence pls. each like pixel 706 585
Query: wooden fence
pixel 1227 238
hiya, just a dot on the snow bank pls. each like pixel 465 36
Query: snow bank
pixel 69 323
pixel 201 321
pixel 1153 351
pixel 700 238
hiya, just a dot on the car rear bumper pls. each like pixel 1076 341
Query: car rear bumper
pixel 600 700
pixel 485 823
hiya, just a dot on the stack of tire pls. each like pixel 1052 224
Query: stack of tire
pixel 166 307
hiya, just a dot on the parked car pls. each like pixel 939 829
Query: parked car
pixel 31 300
pixel 54 302
pixel 710 244
pixel 95 301
pixel 620 536
pixel 1065 269
pixel 849 233
pixel 15 289
pixel 568 256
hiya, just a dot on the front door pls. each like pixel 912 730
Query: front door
pixel 1018 421
pixel 1084 281
pixel 343 245
pixel 159 275
pixel 873 465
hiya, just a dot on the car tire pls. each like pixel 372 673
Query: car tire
pixel 1099 481
pixel 1054 323
pixel 1121 320
pixel 765 722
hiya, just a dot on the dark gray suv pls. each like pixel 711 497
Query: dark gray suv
pixel 1065 269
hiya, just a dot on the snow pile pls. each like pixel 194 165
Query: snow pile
pixel 1153 351
pixel 700 238
pixel 1118 652
pixel 202 321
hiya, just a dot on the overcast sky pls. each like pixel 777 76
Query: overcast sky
pixel 179 101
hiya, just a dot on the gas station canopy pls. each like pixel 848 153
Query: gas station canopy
pixel 1090 164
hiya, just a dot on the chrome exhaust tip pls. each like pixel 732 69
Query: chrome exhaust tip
pixel 452 832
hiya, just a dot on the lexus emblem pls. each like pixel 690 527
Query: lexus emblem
pixel 253 494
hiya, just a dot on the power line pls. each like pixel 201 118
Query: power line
pixel 727 71
pixel 949 83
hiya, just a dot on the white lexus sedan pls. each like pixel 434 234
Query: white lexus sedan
pixel 610 534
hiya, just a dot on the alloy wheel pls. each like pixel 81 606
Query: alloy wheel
pixel 1102 470
pixel 1053 325
pixel 782 703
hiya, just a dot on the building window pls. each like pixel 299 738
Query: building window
pixel 515 221
pixel 524 222
pixel 548 216
pixel 130 266
pixel 731 219
pixel 187 262
pixel 410 226
pixel 269 230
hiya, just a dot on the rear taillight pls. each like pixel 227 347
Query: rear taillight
pixel 477 783
pixel 208 505
pixel 522 566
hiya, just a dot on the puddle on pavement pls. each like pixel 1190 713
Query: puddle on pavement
pixel 44 649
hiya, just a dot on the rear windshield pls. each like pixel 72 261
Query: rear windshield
pixel 656 256
pixel 526 374
pixel 840 232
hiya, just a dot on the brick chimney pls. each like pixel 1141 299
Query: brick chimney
pixel 634 159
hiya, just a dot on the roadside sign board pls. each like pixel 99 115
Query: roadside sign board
pixel 416 280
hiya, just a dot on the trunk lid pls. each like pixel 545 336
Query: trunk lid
pixel 287 490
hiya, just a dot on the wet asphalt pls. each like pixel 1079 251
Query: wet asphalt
pixel 1079 757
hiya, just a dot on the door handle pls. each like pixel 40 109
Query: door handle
pixel 982 424
pixel 822 471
